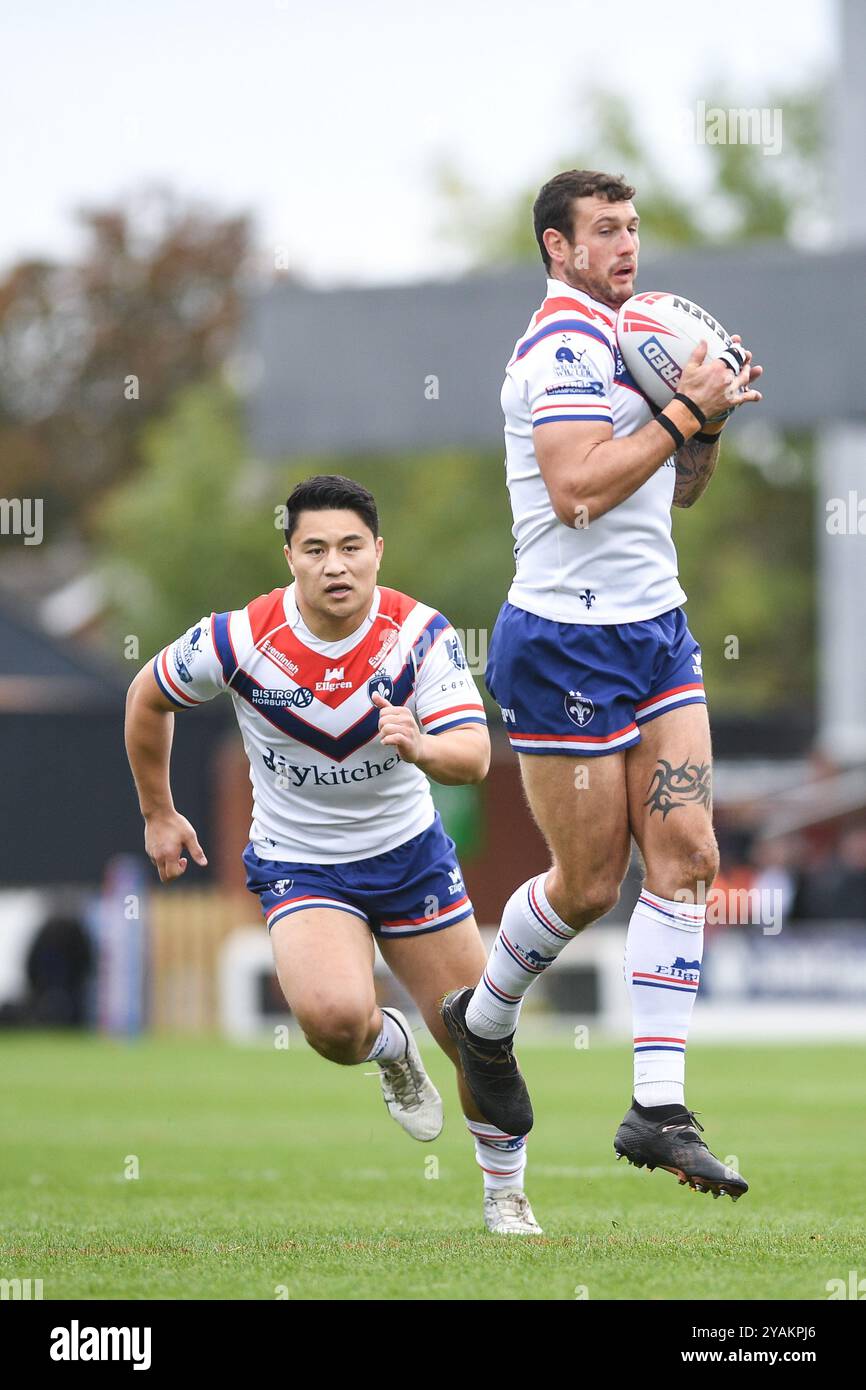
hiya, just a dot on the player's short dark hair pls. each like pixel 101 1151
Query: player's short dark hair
pixel 331 492
pixel 554 206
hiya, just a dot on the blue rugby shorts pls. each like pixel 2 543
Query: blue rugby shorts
pixel 585 689
pixel 415 888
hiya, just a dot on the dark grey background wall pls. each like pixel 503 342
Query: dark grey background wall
pixel 345 370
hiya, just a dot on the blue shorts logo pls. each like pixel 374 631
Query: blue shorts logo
pixel 381 685
pixel 281 887
pixel 579 708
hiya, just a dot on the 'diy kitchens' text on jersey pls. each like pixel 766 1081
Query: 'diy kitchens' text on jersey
pixel 621 567
pixel 326 790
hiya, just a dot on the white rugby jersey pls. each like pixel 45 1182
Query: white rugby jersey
pixel 622 567
pixel 325 788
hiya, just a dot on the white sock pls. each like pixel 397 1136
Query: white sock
pixel 662 968
pixel 391 1044
pixel 501 1157
pixel 530 938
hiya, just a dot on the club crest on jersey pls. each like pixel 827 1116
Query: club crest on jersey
pixel 381 684
pixel 579 708
pixel 697 663
pixel 457 658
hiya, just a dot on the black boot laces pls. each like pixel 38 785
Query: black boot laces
pixel 689 1126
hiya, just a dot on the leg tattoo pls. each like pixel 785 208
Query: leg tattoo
pixel 671 787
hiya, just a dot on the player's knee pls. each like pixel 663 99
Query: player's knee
pixel 338 1032
pixel 687 867
pixel 587 900
pixel 603 899
pixel 702 863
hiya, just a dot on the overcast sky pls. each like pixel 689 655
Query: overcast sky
pixel 326 121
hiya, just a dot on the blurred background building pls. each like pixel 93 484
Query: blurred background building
pixel 168 378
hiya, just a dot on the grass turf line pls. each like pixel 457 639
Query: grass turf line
pixel 263 1170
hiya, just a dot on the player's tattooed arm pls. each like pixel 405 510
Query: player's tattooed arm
pixel 671 787
pixel 695 463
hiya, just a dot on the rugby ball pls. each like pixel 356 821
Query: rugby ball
pixel 657 333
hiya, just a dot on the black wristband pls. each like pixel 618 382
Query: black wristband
pixel 667 423
pixel 707 438
pixel 690 405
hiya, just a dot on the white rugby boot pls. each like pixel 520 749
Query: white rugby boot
pixel 508 1213
pixel 409 1093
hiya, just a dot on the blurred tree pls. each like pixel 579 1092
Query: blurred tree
pixel 194 530
pixel 738 193
pixel 89 353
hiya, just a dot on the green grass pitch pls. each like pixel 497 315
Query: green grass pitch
pixel 266 1173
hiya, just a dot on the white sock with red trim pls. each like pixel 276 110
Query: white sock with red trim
pixel 501 1157
pixel 662 969
pixel 528 941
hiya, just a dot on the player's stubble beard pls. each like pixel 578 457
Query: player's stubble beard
pixel 602 289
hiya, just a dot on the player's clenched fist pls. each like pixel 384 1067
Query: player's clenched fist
pixel 713 386
pixel 397 728
pixel 166 835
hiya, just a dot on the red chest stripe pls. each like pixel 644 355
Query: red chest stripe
pixel 333 679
